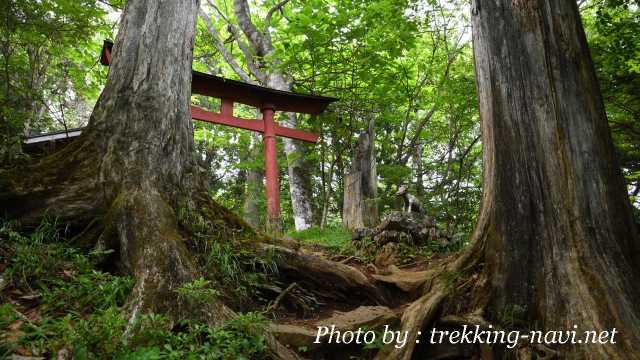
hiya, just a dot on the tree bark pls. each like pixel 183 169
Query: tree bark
pixel 554 244
pixel 148 153
pixel 254 188
pixel 304 214
pixel 360 207
pixel 560 243
pixel 134 162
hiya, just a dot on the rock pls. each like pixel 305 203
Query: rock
pixel 361 233
pixel 392 236
pixel 401 227
pixel 371 317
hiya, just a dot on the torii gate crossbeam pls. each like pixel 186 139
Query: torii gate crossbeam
pixel 268 101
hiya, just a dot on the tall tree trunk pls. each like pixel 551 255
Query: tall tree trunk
pixel 360 207
pixel 418 169
pixel 253 197
pixel 560 240
pixel 304 214
pixel 555 244
pixel 144 109
pixel 134 161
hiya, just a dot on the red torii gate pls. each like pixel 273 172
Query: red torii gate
pixel 268 101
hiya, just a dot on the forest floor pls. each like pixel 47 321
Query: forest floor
pixel 401 272
pixel 58 302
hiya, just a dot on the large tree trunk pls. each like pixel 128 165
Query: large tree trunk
pixel 133 163
pixel 555 245
pixel 146 100
pixel 556 220
pixel 360 208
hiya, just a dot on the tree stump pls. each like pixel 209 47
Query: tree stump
pixel 360 208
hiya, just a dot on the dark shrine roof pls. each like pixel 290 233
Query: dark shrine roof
pixel 252 95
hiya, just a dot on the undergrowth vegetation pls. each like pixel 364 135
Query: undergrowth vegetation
pixel 55 299
pixel 337 241
pixel 228 258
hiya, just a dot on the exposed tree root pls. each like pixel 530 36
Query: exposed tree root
pixel 35 190
pixel 276 302
pixel 427 308
pixel 331 279
pixel 414 318
pixel 154 244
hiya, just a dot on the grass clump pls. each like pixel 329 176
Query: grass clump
pixel 336 238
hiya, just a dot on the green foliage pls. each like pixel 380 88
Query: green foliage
pixel 93 290
pixel 612 27
pixel 198 291
pixel 49 78
pixel 238 269
pixel 228 263
pixel 39 256
pixel 102 335
pixel 81 309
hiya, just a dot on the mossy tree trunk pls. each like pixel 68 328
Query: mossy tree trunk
pixel 134 162
pixel 560 244
pixel 555 244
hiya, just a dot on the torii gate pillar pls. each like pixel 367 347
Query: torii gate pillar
pixel 271 169
pixel 265 99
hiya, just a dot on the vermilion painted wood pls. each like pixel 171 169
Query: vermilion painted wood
pixel 198 113
pixel 296 134
pixel 271 167
pixel 268 101
pixel 201 114
pixel 240 92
